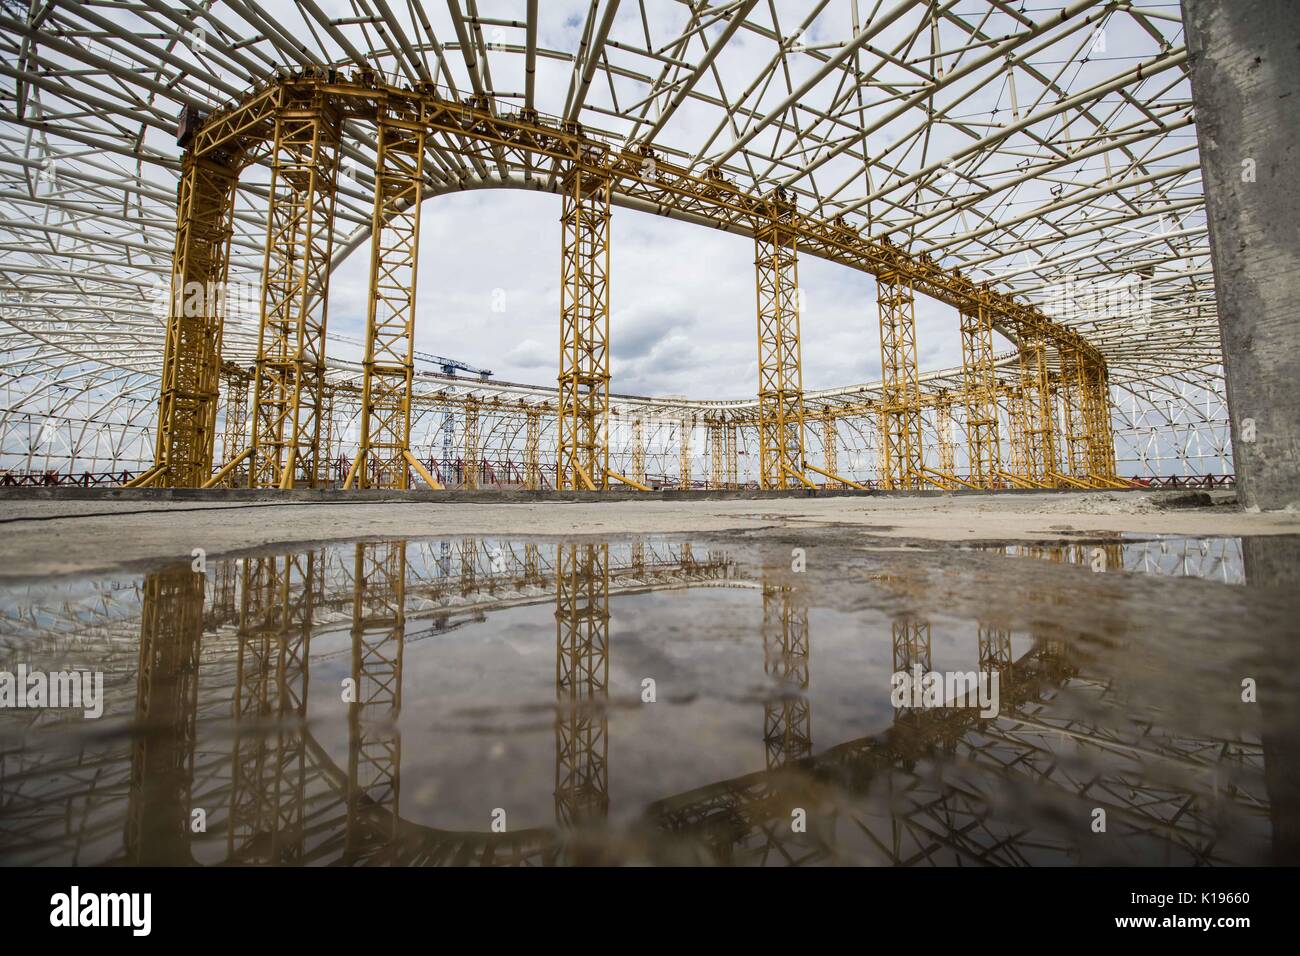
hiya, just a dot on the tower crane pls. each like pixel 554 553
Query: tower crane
pixel 448 366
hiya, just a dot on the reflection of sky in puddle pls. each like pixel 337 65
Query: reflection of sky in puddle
pixel 486 693
pixel 1210 558
pixel 496 674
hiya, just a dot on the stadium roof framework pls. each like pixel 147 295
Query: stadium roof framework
pixel 1047 148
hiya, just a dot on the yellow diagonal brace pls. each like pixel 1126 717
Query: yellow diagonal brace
pixel 627 481
pixel 834 477
pixel 227 468
pixel 421 470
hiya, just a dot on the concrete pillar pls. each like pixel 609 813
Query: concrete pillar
pixel 1246 91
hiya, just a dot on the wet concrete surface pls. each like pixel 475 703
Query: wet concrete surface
pixel 719 697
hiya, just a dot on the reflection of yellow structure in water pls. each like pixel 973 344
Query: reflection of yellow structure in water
pixel 162 745
pixel 374 741
pixel 911 642
pixel 995 654
pixel 285 800
pixel 269 763
pixel 581 683
pixel 787 721
pixel 912 656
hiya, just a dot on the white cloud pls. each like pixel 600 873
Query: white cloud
pixel 683 305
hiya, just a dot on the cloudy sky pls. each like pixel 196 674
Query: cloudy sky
pixel 682 310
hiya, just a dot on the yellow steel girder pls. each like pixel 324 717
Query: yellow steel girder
pixel 234 433
pixel 1035 413
pixel 716 453
pixel 188 395
pixel 532 451
pixel 780 370
pixel 944 433
pixel 638 451
pixel 471 454
pixel 980 392
pixel 900 389
pixel 288 392
pixel 1097 423
pixel 583 448
pixel 382 460
pixel 300 115
pixel 684 429
pixel 732 457
pixel 1070 387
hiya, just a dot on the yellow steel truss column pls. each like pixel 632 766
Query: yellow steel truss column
pixel 787 718
pixel 187 401
pixel 166 703
pixel 1104 439
pixel 872 420
pixel 980 391
pixel 732 458
pixel 470 455
pixel 830 442
pixel 900 390
pixel 532 450
pixel 288 395
pixel 330 439
pixel 715 453
pixel 943 432
pixel 384 458
pixel 1008 403
pixel 581 683
pixel 780 370
pixel 1036 413
pixel 374 741
pixel 1097 425
pixel 234 434
pixel 638 451
pixel 583 450
pixel 684 429
pixel 1070 388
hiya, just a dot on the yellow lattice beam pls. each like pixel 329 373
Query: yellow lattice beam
pixel 980 393
pixel 900 389
pixel 780 371
pixel 583 458
pixel 288 395
pixel 390 323
pixel 187 404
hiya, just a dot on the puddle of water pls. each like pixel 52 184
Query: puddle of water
pixel 493 701
pixel 1211 558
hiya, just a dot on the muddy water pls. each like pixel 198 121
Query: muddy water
pixel 496 701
